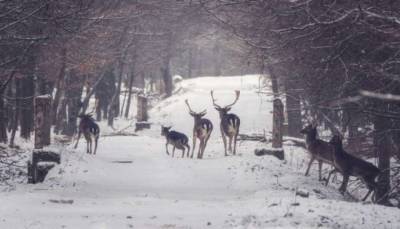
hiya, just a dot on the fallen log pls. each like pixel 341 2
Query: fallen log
pixel 142 125
pixel 119 134
pixel 278 153
pixel 253 137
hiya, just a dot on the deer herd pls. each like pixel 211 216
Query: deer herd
pixel 202 128
pixel 331 152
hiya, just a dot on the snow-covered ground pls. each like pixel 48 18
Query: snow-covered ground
pixel 132 183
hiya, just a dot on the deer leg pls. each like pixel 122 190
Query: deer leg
pixel 230 143
pixel 234 143
pixel 166 148
pixel 309 165
pixel 77 140
pixel 343 187
pixel 91 146
pixel 95 144
pixel 371 187
pixel 329 176
pixel 200 147
pixel 366 196
pixel 188 149
pixel 204 146
pixel 320 169
pixel 224 140
pixel 87 146
pixel 194 144
pixel 183 152
pixel 173 151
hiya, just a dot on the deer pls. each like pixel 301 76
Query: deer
pixel 230 123
pixel 318 149
pixel 176 139
pixel 349 165
pixel 90 130
pixel 202 130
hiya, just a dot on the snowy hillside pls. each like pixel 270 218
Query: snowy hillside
pixel 132 183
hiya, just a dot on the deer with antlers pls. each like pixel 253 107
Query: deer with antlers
pixel 230 123
pixel 202 130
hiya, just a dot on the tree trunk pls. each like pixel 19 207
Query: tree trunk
pixel 277 125
pixel 61 118
pixel 74 84
pixel 274 80
pixel 10 105
pixel 14 127
pixel 123 103
pixel 111 112
pixel 113 107
pixel 167 79
pixel 42 125
pixel 383 145
pixel 190 63
pixel 98 110
pixel 166 74
pixel 293 108
pixel 130 83
pixel 105 93
pixel 92 91
pixel 128 103
pixel 59 85
pixel 217 60
pixel 26 118
pixel 116 103
pixel 199 62
pixel 3 125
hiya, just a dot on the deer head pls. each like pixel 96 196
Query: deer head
pixel 224 110
pixel 310 128
pixel 195 115
pixel 336 141
pixel 165 130
pixel 88 117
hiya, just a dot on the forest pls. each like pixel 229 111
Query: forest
pixel 334 64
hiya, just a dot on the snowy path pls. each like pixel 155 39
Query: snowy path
pixel 132 183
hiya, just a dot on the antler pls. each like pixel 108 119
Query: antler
pixel 190 109
pixel 193 112
pixel 212 97
pixel 236 99
pixel 203 112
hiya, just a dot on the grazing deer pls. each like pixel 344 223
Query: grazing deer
pixel 90 130
pixel 350 165
pixel 318 149
pixel 230 123
pixel 202 130
pixel 176 139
